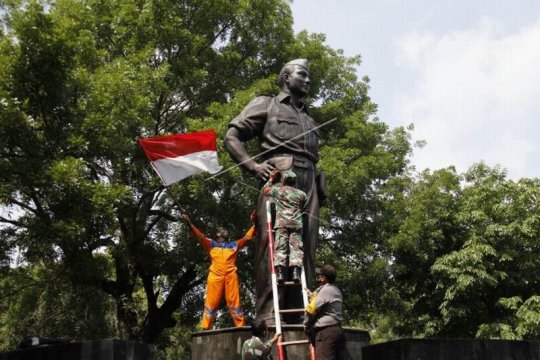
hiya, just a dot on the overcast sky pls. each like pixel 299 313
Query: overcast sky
pixel 465 72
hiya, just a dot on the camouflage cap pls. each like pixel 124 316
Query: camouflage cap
pixel 288 174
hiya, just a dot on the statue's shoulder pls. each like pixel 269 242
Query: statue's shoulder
pixel 265 95
pixel 262 99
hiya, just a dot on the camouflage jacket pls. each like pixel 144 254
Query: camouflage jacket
pixel 289 205
pixel 255 348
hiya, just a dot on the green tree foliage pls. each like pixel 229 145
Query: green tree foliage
pixel 42 302
pixel 428 230
pixel 99 248
pixel 493 271
pixel 83 80
pixel 464 256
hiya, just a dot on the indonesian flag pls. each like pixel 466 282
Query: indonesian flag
pixel 175 157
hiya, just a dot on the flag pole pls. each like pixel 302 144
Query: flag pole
pixel 175 200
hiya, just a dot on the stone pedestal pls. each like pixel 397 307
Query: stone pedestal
pixel 227 343
pixel 107 349
pixel 453 349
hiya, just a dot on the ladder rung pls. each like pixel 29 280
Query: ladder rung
pixel 296 342
pixel 289 283
pixel 286 311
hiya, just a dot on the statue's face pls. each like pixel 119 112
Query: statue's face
pixel 298 80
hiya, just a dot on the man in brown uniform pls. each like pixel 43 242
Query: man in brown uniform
pixel 287 134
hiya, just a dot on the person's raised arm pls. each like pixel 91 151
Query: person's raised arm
pixel 251 233
pixel 198 234
pixel 267 187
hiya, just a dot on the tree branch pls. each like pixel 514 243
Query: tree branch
pixel 12 222
pixel 148 285
pixel 227 25
pixel 187 281
pixel 23 205
pixel 106 241
pixel 109 286
pixel 39 208
pixel 162 214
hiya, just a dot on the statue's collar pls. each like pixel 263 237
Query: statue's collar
pixel 282 96
pixel 285 97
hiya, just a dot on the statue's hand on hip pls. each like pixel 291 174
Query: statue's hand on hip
pixel 263 170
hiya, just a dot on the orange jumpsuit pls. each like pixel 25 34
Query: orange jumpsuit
pixel 223 276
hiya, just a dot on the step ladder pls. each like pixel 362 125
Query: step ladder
pixel 277 311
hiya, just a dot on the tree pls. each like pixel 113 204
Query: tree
pixel 489 286
pixel 41 302
pixel 462 260
pixel 83 80
pixel 428 229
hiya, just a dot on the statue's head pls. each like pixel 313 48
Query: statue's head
pixel 295 77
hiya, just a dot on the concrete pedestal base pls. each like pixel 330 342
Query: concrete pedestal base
pixel 453 349
pixel 107 349
pixel 227 343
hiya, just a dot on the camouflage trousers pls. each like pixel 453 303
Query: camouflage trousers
pixel 288 241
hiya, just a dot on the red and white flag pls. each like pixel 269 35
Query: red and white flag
pixel 175 157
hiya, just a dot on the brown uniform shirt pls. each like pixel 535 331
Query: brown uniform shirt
pixel 275 121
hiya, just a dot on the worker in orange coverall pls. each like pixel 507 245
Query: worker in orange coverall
pixel 223 274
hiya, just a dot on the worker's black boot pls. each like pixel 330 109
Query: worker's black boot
pixel 296 273
pixel 280 274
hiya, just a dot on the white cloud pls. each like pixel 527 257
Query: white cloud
pixel 475 96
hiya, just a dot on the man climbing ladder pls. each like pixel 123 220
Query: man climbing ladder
pixel 301 287
pixel 288 225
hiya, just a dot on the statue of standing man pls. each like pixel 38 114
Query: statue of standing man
pixel 289 140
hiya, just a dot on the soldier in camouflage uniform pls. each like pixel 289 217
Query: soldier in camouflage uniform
pixel 256 347
pixel 288 225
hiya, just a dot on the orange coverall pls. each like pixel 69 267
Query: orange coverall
pixel 223 276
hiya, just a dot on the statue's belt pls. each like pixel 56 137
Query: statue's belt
pixel 286 161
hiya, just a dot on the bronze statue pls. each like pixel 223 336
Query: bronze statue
pixel 288 139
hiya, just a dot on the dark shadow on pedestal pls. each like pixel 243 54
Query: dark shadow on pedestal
pixel 107 349
pixel 227 343
pixel 453 349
